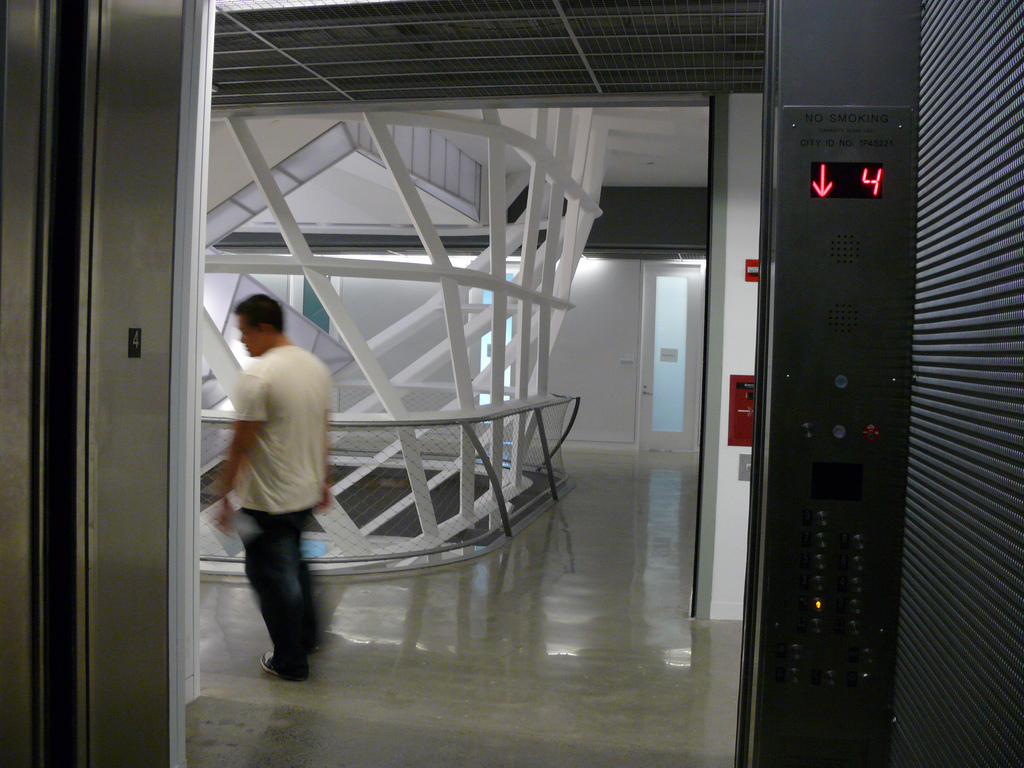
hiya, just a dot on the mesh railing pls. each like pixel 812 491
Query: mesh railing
pixel 405 490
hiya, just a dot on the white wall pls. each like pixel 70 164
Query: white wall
pixel 732 330
pixel 598 334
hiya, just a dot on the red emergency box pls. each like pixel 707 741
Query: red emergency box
pixel 741 410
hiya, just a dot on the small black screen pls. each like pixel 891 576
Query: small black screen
pixel 837 482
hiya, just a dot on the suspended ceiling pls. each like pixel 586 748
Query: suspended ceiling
pixel 497 51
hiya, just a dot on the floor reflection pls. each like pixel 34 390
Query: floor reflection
pixel 575 637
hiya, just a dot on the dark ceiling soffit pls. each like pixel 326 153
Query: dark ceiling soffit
pixel 348 109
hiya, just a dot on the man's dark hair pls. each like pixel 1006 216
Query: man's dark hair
pixel 260 308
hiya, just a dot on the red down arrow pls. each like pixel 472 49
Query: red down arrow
pixel 823 188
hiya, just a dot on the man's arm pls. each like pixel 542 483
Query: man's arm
pixel 243 440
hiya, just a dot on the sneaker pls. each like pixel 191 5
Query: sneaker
pixel 267 664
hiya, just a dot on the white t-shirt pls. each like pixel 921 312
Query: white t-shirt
pixel 287 389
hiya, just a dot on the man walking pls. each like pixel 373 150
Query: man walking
pixel 277 466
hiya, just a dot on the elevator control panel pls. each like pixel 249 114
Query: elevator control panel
pixel 837 434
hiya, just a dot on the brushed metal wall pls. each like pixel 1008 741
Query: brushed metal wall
pixel 19 260
pixel 138 97
pixel 100 131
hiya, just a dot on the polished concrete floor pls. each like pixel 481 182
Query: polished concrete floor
pixel 571 646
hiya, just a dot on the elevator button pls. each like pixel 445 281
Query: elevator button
pixel 818 583
pixel 857 563
pixel 858 541
pixel 856 585
pixel 855 606
pixel 828 677
pixel 821 562
pixel 820 540
pixel 853 627
pixel 821 516
pixel 816 626
pixel 796 651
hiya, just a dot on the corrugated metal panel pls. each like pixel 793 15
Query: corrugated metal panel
pixel 960 681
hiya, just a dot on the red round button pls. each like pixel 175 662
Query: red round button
pixel 871 432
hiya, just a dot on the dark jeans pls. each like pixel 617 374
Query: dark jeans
pixel 276 570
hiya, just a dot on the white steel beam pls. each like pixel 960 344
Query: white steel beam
pixel 435 249
pixel 321 285
pixel 218 354
pixel 418 481
pixel 534 200
pixel 563 124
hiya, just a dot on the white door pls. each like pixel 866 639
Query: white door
pixel 672 354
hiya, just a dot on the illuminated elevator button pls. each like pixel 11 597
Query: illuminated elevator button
pixel 818 605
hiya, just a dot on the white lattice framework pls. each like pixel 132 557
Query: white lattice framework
pixel 566 168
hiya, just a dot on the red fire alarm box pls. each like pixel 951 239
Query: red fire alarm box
pixel 741 410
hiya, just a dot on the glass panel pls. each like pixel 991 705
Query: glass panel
pixel 669 353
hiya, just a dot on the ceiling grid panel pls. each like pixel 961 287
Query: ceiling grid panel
pixel 282 52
